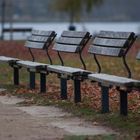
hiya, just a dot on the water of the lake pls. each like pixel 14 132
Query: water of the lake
pixel 93 28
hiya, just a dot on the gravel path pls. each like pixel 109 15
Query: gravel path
pixel 41 122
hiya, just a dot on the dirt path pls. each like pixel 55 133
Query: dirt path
pixel 41 122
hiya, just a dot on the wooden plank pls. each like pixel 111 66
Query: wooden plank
pixel 35 45
pixel 38 38
pixel 30 64
pixel 67 70
pixel 8 59
pixel 112 34
pixel 109 42
pixel 105 51
pixel 43 33
pixel 66 48
pixel 114 80
pixel 75 34
pixel 138 55
pixel 70 41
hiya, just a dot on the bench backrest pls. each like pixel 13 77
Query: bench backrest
pixel 72 42
pixel 114 44
pixel 40 40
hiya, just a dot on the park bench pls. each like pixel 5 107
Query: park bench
pixel 41 40
pixel 113 44
pixel 70 42
pixel 11 31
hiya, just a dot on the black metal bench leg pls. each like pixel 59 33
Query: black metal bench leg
pixel 32 80
pixel 63 84
pixel 42 82
pixel 105 99
pixel 123 103
pixel 16 76
pixel 77 91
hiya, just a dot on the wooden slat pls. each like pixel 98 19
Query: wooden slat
pixel 66 48
pixel 112 34
pixel 35 45
pixel 42 33
pixel 76 34
pixel 67 70
pixel 109 42
pixel 63 70
pixel 107 79
pixel 71 41
pixel 30 64
pixel 138 55
pixel 105 51
pixel 8 59
pixel 38 38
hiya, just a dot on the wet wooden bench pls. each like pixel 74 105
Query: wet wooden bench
pixel 113 44
pixel 41 40
pixel 70 42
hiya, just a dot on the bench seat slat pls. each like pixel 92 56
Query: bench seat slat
pixel 105 51
pixel 73 34
pixel 30 64
pixel 36 45
pixel 67 70
pixel 109 42
pixel 66 48
pixel 42 33
pixel 8 59
pixel 112 34
pixel 114 80
pixel 70 41
pixel 42 39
